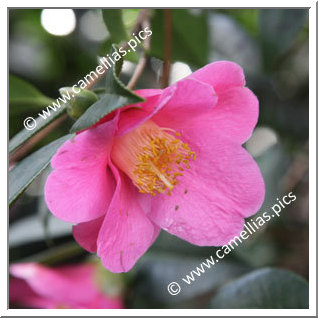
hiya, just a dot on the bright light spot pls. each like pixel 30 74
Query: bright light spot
pixel 262 139
pixel 128 67
pixel 179 70
pixel 58 21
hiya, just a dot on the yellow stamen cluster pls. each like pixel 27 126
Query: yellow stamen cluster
pixel 155 157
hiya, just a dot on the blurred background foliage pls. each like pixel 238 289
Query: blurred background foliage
pixel 272 47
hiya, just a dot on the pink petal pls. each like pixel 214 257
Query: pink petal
pixel 56 286
pixel 190 100
pixel 146 93
pixel 177 104
pixel 20 293
pixel 222 186
pixel 234 116
pixel 221 75
pixel 80 187
pixel 134 116
pixel 126 233
pixel 86 234
pixel 70 286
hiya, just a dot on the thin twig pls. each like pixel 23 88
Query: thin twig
pixel 167 47
pixel 28 145
pixel 295 172
pixel 137 73
pixel 143 60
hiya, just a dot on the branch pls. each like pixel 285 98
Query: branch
pixel 167 47
pixel 143 60
pixel 27 146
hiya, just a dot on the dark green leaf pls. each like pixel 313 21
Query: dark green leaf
pixel 116 96
pixel 77 105
pixel 115 25
pixel 41 123
pixel 155 272
pixel 24 98
pixel 119 24
pixel 106 46
pixel 22 175
pixel 278 31
pixel 189 36
pixel 267 288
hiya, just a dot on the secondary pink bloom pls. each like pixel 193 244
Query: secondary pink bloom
pixel 72 286
pixel 174 162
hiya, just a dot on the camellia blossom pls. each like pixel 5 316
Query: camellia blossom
pixel 71 286
pixel 174 162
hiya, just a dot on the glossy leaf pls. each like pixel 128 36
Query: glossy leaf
pixel 189 36
pixel 116 96
pixel 25 98
pixel 22 175
pixel 119 24
pixel 113 19
pixel 156 271
pixel 267 288
pixel 24 135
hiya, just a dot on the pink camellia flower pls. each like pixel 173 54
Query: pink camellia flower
pixel 72 286
pixel 174 162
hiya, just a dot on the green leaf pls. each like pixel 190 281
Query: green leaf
pixel 267 288
pixel 189 40
pixel 24 135
pixel 22 175
pixel 119 23
pixel 278 31
pixel 114 22
pixel 77 105
pixel 154 272
pixel 25 98
pixel 105 47
pixel 129 17
pixel 247 18
pixel 116 96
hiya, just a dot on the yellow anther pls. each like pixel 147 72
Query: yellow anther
pixel 152 157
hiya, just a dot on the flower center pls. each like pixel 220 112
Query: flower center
pixel 152 157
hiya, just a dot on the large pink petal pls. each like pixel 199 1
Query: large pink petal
pixel 221 75
pixel 222 186
pixel 234 116
pixel 177 104
pixel 86 233
pixel 127 232
pixel 81 186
